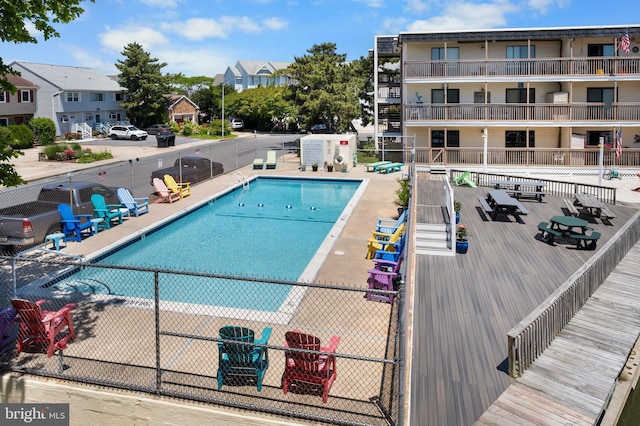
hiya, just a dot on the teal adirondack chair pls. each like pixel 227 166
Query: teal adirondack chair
pixel 239 357
pixel 108 212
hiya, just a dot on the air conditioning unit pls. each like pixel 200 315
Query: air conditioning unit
pixel 634 49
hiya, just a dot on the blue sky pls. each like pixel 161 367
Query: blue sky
pixel 204 37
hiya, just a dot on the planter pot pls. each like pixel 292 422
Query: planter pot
pixel 303 168
pixel 314 168
pixel 329 168
pixel 462 246
pixel 457 218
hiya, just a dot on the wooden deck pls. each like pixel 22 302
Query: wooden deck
pixel 465 305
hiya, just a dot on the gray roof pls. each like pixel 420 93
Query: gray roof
pixel 253 67
pixel 70 78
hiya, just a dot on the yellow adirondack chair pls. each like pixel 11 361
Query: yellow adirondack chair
pixel 183 188
pixel 378 241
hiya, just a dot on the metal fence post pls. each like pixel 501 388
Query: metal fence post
pixel 156 296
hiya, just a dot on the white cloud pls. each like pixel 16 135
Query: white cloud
pixel 371 3
pixel 31 29
pixel 416 6
pixel 207 61
pixel 117 39
pixel 543 6
pixel 275 23
pixel 161 3
pixel 465 15
pixel 203 28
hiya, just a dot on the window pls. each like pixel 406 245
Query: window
pixel 119 97
pixel 520 52
pixel 601 50
pixel 438 53
pixel 112 116
pixel 25 96
pixel 3 97
pixel 437 96
pixel 97 97
pixel 519 96
pixel 89 117
pixel 518 139
pixel 73 97
pixel 438 140
pixel 593 138
pixel 4 121
pixel 64 119
pixel 600 94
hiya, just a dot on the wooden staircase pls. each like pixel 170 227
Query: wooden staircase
pixel 432 239
pixel 432 231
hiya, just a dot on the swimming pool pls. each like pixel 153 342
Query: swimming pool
pixel 271 229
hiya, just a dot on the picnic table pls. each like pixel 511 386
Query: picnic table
pixel 501 202
pixel 523 188
pixel 595 207
pixel 567 224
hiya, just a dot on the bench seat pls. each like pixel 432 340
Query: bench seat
pixel 548 234
pixel 485 206
pixel 605 213
pixel 532 194
pixel 584 241
pixel 573 210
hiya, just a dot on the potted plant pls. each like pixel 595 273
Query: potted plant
pixel 314 167
pixel 303 167
pixel 404 194
pixel 457 206
pixel 462 241
pixel 329 167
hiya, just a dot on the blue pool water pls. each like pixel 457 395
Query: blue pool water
pixel 270 230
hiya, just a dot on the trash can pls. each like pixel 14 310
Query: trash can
pixel 165 138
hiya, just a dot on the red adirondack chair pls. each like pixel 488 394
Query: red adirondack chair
pixel 43 327
pixel 309 367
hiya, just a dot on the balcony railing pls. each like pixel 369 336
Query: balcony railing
pixel 523 67
pixel 620 112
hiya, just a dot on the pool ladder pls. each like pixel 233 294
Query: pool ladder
pixel 242 178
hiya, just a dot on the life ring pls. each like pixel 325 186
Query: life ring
pixel 340 159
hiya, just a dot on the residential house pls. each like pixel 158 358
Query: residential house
pixel 251 74
pixel 20 107
pixel 180 108
pixel 77 99
pixel 507 97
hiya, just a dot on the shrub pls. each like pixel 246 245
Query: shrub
pixel 71 136
pixel 21 136
pixel 44 130
pixel 51 151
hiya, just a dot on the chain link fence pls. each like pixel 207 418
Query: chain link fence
pixel 158 332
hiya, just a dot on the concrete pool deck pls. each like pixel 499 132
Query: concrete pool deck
pixel 343 263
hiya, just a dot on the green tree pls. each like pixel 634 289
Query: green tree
pixel 15 16
pixel 8 174
pixel 142 76
pixel 188 85
pixel 325 89
pixel 262 108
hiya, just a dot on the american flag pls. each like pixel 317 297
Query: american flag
pixel 619 142
pixel 625 44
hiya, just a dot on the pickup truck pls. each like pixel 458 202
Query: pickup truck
pixel 27 224
pixel 194 170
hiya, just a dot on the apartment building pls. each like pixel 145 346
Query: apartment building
pixel 547 96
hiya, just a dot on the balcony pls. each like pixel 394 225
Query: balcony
pixel 551 67
pixel 583 112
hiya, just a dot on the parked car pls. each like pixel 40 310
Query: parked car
pixel 237 124
pixel 320 128
pixel 127 132
pixel 194 170
pixel 157 128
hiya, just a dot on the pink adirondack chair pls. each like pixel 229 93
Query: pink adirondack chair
pixel 164 195
pixel 43 327
pixel 316 368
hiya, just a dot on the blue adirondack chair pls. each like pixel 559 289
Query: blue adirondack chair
pixel 108 212
pixel 74 225
pixel 239 357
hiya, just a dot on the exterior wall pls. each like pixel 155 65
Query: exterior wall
pixel 88 405
pixel 184 110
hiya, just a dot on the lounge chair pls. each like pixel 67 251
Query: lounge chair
pixel 378 238
pixel 43 327
pixel 382 277
pixel 182 188
pixel 164 195
pixel 464 179
pixel 74 226
pixel 373 167
pixel 238 357
pixel 136 206
pixel 388 226
pixel 258 163
pixel 309 367
pixel 390 168
pixel 272 160
pixel 108 212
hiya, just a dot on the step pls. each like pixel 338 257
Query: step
pixel 431 227
pixel 438 170
pixel 435 251
pixel 430 244
pixel 431 235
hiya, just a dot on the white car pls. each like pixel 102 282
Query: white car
pixel 127 132
pixel 237 123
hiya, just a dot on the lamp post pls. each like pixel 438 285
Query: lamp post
pixel 222 137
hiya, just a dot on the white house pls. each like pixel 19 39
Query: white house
pixel 77 99
pixel 251 74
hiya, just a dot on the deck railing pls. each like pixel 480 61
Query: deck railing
pixel 619 112
pixel 528 339
pixel 521 157
pixel 552 67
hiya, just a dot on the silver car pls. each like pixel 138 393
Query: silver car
pixel 127 132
